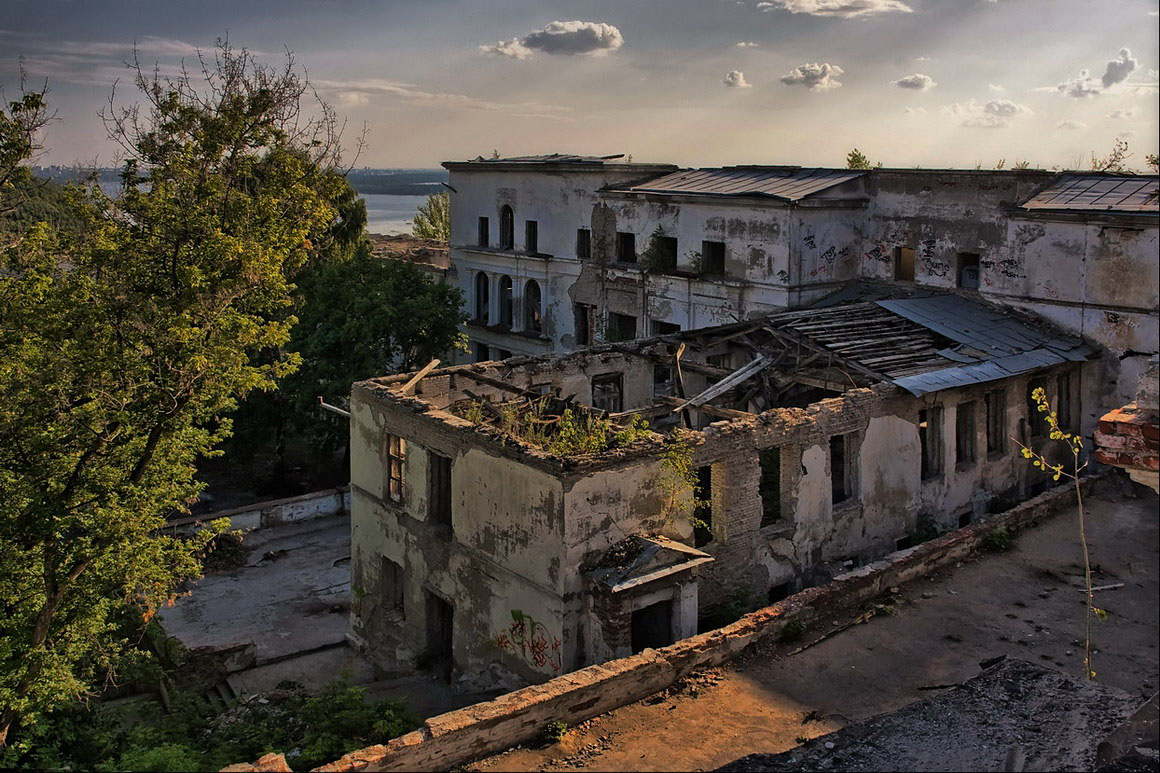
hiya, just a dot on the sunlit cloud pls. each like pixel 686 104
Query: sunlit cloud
pixel 816 77
pixel 735 79
pixel 561 37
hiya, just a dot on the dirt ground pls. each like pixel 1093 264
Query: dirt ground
pixel 1025 603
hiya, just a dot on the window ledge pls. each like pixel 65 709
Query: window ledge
pixel 779 530
pixel 504 252
pixel 847 506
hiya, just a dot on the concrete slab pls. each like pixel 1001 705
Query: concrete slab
pixel 295 599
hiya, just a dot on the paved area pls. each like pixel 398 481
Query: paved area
pixel 295 599
pixel 1025 603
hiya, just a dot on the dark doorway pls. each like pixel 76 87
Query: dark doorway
pixel 440 627
pixel 652 626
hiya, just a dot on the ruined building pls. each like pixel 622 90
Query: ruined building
pixel 556 252
pixel 832 365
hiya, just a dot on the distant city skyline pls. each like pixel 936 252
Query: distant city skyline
pixel 950 83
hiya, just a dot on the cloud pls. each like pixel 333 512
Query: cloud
pixel 914 110
pixel 1124 113
pixel 353 99
pixel 370 87
pixel 1116 72
pixel 996 87
pixel 746 44
pixel 915 82
pixel 561 37
pixel 1072 125
pixel 1119 68
pixel 994 114
pixel 817 77
pixel 924 58
pixel 736 80
pixel 1081 86
pixel 843 9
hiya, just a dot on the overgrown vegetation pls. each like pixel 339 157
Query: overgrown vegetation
pixel 554 731
pixel 793 631
pixel 433 218
pixel 998 540
pixel 310 730
pixel 856 159
pixel 660 253
pixel 574 431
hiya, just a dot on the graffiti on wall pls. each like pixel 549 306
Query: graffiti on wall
pixel 530 639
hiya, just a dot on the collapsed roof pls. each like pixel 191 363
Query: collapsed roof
pixel 785 183
pixel 1098 193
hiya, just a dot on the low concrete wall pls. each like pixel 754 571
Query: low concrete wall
pixel 458 737
pixel 317 504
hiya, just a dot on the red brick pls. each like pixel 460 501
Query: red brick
pixel 1152 431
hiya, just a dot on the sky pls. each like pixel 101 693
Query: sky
pixel 934 83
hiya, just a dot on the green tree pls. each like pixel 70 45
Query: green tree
pixel 362 318
pixel 124 348
pixel 433 220
pixel 856 159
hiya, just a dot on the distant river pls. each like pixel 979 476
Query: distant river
pixel 391 214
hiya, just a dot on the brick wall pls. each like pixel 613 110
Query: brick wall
pixel 1128 438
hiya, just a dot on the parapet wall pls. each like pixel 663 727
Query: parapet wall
pixel 458 737
pixel 317 504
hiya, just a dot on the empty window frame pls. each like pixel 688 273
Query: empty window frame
pixel 703 510
pixel 439 490
pixel 666 257
pixel 904 264
pixel 769 486
pixel 608 392
pixel 1063 404
pixel 482 297
pixel 841 473
pixel 625 247
pixel 965 433
pixel 660 328
pixel 713 258
pixel 662 379
pixel 503 354
pixel 584 318
pixel 531 236
pixel 968 270
pixel 392 585
pixel 930 441
pixel 507 228
pixel 583 243
pixel 479 352
pixel 484 238
pixel 533 321
pixel 396 456
pixel 621 327
pixel 1036 422
pixel 505 301
pixel 996 402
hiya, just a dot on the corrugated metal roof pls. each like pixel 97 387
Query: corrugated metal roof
pixel 1133 194
pixel 787 183
pixel 548 158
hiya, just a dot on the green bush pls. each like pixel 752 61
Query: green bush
pixel 554 731
pixel 793 630
pixel 998 540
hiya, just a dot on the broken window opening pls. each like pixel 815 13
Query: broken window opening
pixel 841 472
pixel 930 441
pixel 396 455
pixel 1063 407
pixel 769 487
pixel 780 592
pixel 584 317
pixel 440 637
pixel 703 510
pixel 996 403
pixel 968 270
pixel 662 380
pixel 479 352
pixel 484 238
pixel 1035 421
pixel 664 328
pixel 965 519
pixel 507 228
pixel 625 247
pixel 392 585
pixel 531 236
pixel 621 327
pixel 608 392
pixel 482 297
pixel 439 490
pixel 532 302
pixel 503 354
pixel 904 264
pixel 505 301
pixel 965 433
pixel 713 258
pixel 583 243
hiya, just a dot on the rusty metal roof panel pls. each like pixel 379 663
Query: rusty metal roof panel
pixel 786 183
pixel 1123 194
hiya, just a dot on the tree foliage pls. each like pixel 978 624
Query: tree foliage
pixel 856 159
pixel 433 219
pixel 124 347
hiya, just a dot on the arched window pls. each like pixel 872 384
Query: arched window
pixel 532 318
pixel 507 228
pixel 505 301
pixel 482 296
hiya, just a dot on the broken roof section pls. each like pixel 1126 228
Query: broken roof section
pixel 1098 193
pixel 786 183
pixel 640 559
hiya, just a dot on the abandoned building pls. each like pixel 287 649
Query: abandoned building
pixel 516 520
pixel 557 252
